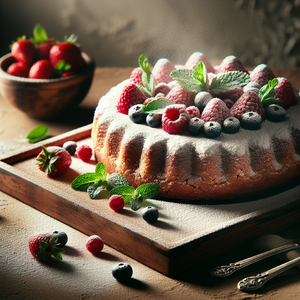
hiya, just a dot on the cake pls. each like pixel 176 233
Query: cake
pixel 192 167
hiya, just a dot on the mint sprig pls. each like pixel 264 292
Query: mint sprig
pixel 267 93
pixel 157 106
pixel 38 134
pixel 148 79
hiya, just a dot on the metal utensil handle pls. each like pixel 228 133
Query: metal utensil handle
pixel 226 270
pixel 255 282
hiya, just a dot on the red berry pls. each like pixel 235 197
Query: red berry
pixel 193 111
pixel 162 88
pixel 180 96
pixel 162 69
pixel 24 51
pixel 54 160
pixel 18 69
pixel 136 76
pixel 130 95
pixel 194 60
pixel 261 74
pixel 215 111
pixel 84 152
pixel 116 202
pixel 285 92
pixel 94 244
pixel 67 74
pixel 175 119
pixel 42 69
pixel 230 63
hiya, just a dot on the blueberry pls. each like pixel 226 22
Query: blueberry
pixel 136 114
pixel 62 237
pixel 212 129
pixel 70 146
pixel 153 120
pixel 231 125
pixel 122 271
pixel 201 100
pixel 150 214
pixel 251 120
pixel 196 126
pixel 275 113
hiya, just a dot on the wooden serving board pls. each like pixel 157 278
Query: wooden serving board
pixel 185 234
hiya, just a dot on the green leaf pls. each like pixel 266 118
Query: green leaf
pixel 267 93
pixel 39 34
pixel 200 75
pixel 157 106
pixel 145 91
pixel 37 134
pixel 57 255
pixel 127 192
pixel 186 79
pixel 101 171
pixel 228 81
pixel 61 67
pixel 94 190
pixel 148 190
pixel 115 180
pixel 144 64
pixel 82 182
pixel 136 203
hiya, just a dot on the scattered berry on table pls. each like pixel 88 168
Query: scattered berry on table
pixel 230 63
pixel 180 96
pixel 216 111
pixel 275 113
pixel 212 129
pixel 54 160
pixel 62 237
pixel 136 114
pixel 116 202
pixel 193 111
pixel 150 214
pixel 94 244
pixel 43 246
pixel 261 74
pixel 231 125
pixel 285 92
pixel 202 99
pixel 196 126
pixel 18 69
pixel 122 271
pixel 162 69
pixel 175 119
pixel 153 120
pixel 70 146
pixel 251 120
pixel 24 50
pixel 84 152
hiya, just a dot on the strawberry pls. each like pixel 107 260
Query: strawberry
pixel 232 95
pixel 193 111
pixel 163 88
pixel 261 74
pixel 18 69
pixel 24 50
pixel 180 96
pixel 248 102
pixel 230 63
pixel 43 50
pixel 130 96
pixel 215 111
pixel 194 60
pixel 54 160
pixel 162 69
pixel 66 51
pixel 136 76
pixel 44 245
pixel 175 119
pixel 285 92
pixel 42 69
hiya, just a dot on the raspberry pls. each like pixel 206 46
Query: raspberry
pixel 84 152
pixel 175 119
pixel 193 112
pixel 116 202
pixel 136 76
pixel 94 244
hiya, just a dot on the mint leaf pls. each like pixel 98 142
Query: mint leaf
pixel 127 192
pixel 101 171
pixel 37 134
pixel 200 75
pixel 144 64
pixel 186 79
pixel 267 93
pixel 136 203
pixel 82 182
pixel 148 79
pixel 39 34
pixel 115 180
pixel 228 81
pixel 148 190
pixel 95 189
pixel 157 106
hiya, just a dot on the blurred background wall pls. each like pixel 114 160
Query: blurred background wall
pixel 116 32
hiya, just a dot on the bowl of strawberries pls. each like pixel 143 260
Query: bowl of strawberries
pixel 43 77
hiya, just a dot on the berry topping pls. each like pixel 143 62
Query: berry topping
pixel 136 76
pixel 62 237
pixel 150 214
pixel 230 63
pixel 131 95
pixel 175 119
pixel 285 92
pixel 116 202
pixel 122 271
pixel 180 96
pixel 194 60
pixel 229 103
pixel 70 146
pixel 196 126
pixel 153 120
pixel 212 129
pixel 193 111
pixel 275 113
pixel 202 99
pixel 252 86
pixel 84 152
pixel 231 125
pixel 162 88
pixel 162 69
pixel 136 114
pixel 94 244
pixel 261 74
pixel 251 120
pixel 216 110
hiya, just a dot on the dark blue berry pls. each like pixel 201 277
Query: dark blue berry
pixel 212 129
pixel 136 114
pixel 122 271
pixel 62 237
pixel 150 214
pixel 196 126
pixel 231 125
pixel 153 120
pixel 70 146
pixel 251 120
pixel 275 113
pixel 201 100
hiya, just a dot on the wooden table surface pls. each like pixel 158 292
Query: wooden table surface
pixel 84 276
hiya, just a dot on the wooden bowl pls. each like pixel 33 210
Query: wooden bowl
pixel 45 98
